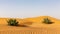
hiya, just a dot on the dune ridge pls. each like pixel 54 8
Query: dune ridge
pixel 33 19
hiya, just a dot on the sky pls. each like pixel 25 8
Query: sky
pixel 29 8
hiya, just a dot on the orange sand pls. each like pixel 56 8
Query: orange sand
pixel 36 21
pixel 37 27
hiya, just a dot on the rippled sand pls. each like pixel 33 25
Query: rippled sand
pixel 5 29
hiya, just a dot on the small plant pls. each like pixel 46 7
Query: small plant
pixel 47 21
pixel 12 22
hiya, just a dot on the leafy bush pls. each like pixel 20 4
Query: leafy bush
pixel 47 21
pixel 12 22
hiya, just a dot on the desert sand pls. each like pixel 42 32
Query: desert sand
pixel 37 27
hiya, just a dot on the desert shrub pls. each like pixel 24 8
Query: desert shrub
pixel 47 21
pixel 12 22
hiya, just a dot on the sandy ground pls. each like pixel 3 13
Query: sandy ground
pixel 54 29
pixel 37 27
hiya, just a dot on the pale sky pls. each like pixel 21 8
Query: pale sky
pixel 29 8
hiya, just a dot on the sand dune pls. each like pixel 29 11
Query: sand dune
pixel 40 19
pixel 35 26
pixel 34 21
pixel 37 21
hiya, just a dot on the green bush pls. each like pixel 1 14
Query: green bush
pixel 47 21
pixel 12 22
